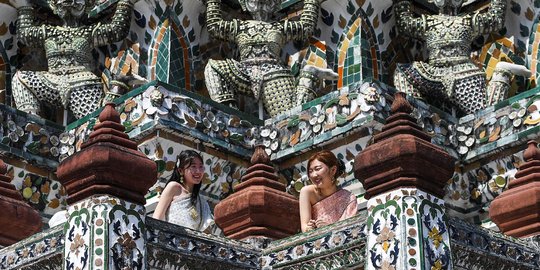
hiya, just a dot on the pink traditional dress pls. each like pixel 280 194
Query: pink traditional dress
pixel 338 206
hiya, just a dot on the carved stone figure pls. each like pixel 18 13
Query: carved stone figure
pixel 449 78
pixel 259 72
pixel 69 81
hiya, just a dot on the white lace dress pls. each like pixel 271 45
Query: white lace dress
pixel 182 212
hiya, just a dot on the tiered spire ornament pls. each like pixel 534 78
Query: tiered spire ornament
pixel 108 163
pixel 400 155
pixel 18 220
pixel 517 210
pixel 259 206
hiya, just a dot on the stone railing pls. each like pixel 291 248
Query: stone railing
pixel 40 251
pixel 337 246
pixel 173 247
pixel 474 247
pixel 340 245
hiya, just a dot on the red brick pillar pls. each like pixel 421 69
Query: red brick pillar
pixel 517 210
pixel 404 176
pixel 259 206
pixel 18 220
pixel 106 183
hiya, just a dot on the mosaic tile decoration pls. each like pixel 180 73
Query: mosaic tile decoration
pixel 31 138
pixel 474 189
pixel 323 119
pixel 45 195
pixel 406 228
pixel 159 105
pixel 105 232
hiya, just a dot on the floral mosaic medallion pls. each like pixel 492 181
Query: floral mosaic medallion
pixel 105 232
pixel 404 224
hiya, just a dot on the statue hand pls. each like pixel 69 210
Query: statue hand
pixel 19 3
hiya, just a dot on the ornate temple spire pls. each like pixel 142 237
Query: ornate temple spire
pixel 18 220
pixel 400 154
pixel 108 163
pixel 516 210
pixel 259 206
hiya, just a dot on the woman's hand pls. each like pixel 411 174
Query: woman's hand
pixel 311 225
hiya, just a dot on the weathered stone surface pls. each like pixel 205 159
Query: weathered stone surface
pixel 400 156
pixel 517 210
pixel 108 163
pixel 260 207
pixel 18 220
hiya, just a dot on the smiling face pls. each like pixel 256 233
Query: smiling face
pixel 321 175
pixel 193 173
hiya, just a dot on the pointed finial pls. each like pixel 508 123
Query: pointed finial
pixel 260 156
pixel 109 113
pixel 400 104
pixel 532 152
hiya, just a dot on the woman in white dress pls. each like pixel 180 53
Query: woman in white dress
pixel 180 202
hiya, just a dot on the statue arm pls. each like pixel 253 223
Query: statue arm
pixel 217 27
pixel 406 23
pixel 304 28
pixel 117 29
pixel 29 33
pixel 490 21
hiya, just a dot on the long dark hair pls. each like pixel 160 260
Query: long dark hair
pixel 184 160
pixel 330 160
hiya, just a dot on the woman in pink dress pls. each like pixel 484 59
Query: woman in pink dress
pixel 323 202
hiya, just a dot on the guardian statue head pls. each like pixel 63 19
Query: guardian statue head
pixel 71 9
pixel 261 10
pixel 449 7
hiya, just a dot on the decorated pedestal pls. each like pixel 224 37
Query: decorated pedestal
pixel 406 222
pixel 106 182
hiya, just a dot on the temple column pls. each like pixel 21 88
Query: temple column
pixel 517 210
pixel 259 208
pixel 404 175
pixel 106 182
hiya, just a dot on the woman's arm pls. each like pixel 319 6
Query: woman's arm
pixel 305 209
pixel 28 33
pixel 165 201
pixel 217 27
pixel 304 28
pixel 406 23
pixel 491 21
pixel 118 28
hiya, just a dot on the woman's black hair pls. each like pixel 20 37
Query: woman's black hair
pixel 184 160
